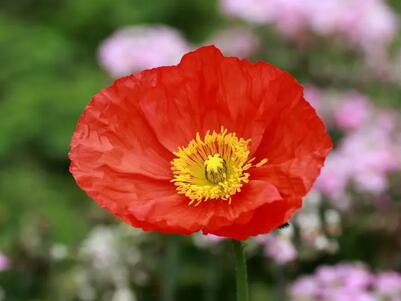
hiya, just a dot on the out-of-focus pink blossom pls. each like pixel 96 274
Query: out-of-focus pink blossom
pixel 372 155
pixel 356 276
pixel 136 48
pixel 373 23
pixel 323 102
pixel 387 121
pixel 255 11
pixel 305 288
pixel 343 294
pixel 325 23
pixel 367 153
pixel 237 41
pixel 334 178
pixel 280 249
pixel 364 157
pixel 4 262
pixel 389 284
pixel 353 112
pixel 290 16
pixel 345 282
pixel 314 96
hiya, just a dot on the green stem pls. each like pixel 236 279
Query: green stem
pixel 240 271
pixel 169 272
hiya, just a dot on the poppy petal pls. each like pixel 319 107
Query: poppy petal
pixel 205 92
pixel 294 132
pixel 112 133
pixel 296 147
pixel 263 220
pixel 171 213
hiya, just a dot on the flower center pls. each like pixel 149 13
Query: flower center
pixel 213 167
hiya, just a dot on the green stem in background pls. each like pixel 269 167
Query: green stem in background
pixel 240 271
pixel 169 273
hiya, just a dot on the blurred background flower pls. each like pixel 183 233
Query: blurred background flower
pixel 4 263
pixel 346 281
pixel 136 48
pixel 55 244
pixel 235 41
pixel 373 22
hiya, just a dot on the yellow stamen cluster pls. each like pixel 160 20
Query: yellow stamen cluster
pixel 213 167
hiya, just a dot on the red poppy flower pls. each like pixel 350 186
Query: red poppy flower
pixel 214 144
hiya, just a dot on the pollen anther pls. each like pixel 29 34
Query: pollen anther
pixel 213 167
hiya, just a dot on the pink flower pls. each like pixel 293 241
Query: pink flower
pixel 387 121
pixel 353 112
pixel 325 23
pixel 305 288
pixel 135 48
pixel 324 102
pixel 356 276
pixel 372 155
pixel 314 96
pixel 4 263
pixel 345 282
pixel 290 16
pixel 254 11
pixel 280 249
pixel 389 284
pixel 365 156
pixel 344 294
pixel 334 178
pixel 348 276
pixel 237 41
pixel 373 23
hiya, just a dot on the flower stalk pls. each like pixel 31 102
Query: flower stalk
pixel 169 272
pixel 240 271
